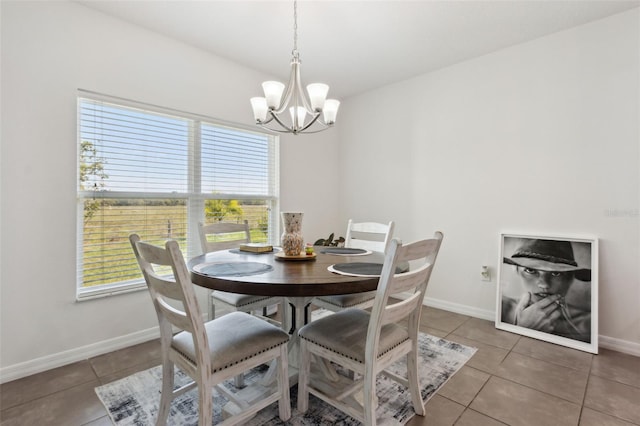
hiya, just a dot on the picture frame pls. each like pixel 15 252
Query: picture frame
pixel 548 289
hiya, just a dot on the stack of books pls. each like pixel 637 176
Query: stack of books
pixel 256 247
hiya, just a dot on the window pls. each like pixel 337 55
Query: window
pixel 158 172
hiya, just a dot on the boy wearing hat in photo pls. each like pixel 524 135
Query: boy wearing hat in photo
pixel 547 269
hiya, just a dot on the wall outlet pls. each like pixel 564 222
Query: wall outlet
pixel 485 273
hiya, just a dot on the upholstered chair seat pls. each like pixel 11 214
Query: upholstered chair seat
pixel 338 302
pixel 243 302
pixel 232 337
pixel 351 338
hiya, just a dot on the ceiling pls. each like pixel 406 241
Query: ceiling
pixel 355 46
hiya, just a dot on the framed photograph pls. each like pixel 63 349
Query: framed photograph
pixel 548 289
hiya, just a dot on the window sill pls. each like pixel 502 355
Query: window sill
pixel 107 291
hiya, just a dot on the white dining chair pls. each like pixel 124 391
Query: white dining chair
pixel 224 236
pixel 210 352
pixel 370 236
pixel 368 343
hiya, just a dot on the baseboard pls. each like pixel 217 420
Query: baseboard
pixel 60 359
pixel 460 309
pixel 49 362
pixel 618 345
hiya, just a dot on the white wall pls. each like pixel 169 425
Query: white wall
pixel 49 50
pixel 542 137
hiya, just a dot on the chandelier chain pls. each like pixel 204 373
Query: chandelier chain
pixel 295 28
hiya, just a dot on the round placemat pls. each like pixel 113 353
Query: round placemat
pixel 344 251
pixel 357 269
pixel 361 269
pixel 238 251
pixel 232 269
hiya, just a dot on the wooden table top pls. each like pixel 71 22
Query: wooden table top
pixel 289 278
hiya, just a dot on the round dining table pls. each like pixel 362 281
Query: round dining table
pixel 298 280
pixel 300 276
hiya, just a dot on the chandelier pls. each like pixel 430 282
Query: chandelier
pixel 303 112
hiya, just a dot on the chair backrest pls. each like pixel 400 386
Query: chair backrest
pixel 218 230
pixel 174 299
pixel 422 255
pixel 369 235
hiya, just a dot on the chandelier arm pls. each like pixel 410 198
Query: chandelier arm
pixel 281 123
pixel 310 123
pixel 305 102
pixel 315 131
pixel 275 130
pixel 324 125
pixel 266 121
pixel 271 129
pixel 306 132
pixel 286 129
pixel 287 95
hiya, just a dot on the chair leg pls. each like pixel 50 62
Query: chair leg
pixel 238 381
pixel 212 307
pixel 287 316
pixel 370 399
pixel 284 405
pixel 166 395
pixel 205 401
pixel 303 377
pixel 414 383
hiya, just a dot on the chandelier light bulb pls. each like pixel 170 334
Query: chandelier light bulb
pixel 273 93
pixel 260 108
pixel 330 111
pixel 301 114
pixel 317 95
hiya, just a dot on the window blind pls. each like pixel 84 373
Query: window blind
pixel 141 151
pixel 158 173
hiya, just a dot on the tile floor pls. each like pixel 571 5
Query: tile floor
pixel 511 380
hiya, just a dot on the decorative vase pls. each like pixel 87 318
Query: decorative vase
pixel 292 240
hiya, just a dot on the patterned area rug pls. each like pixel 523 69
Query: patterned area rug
pixel 134 400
